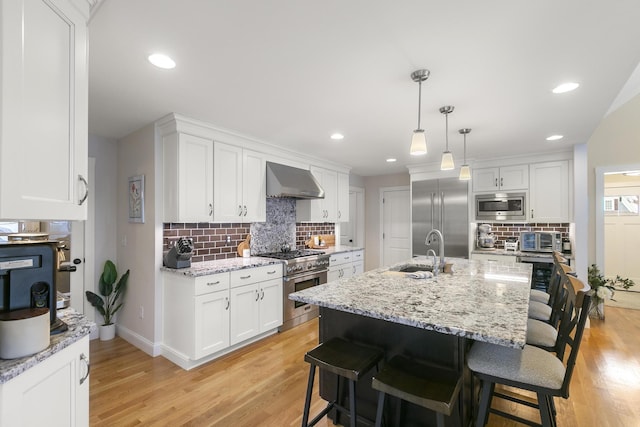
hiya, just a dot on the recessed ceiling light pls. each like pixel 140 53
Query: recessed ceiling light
pixel 391 160
pixel 565 87
pixel 162 61
pixel 337 136
pixel 554 137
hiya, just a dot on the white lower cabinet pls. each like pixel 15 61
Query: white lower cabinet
pixel 345 264
pixel 55 392
pixel 494 257
pixel 207 315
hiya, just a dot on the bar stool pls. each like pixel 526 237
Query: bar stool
pixel 415 382
pixel 347 360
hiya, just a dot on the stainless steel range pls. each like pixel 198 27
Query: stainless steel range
pixel 303 269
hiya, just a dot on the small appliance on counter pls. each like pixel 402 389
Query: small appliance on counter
pixel 486 239
pixel 511 244
pixel 540 241
pixel 179 256
pixel 566 245
pixel 27 280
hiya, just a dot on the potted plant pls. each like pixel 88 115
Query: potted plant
pixel 604 289
pixel 108 302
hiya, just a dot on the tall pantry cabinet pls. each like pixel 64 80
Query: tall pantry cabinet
pixel 43 109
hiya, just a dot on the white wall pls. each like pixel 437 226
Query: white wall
pixel 372 186
pixel 105 151
pixel 137 242
pixel 616 141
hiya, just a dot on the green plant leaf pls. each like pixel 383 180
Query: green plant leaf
pixel 95 300
pixel 109 273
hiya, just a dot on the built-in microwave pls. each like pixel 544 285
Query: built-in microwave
pixel 501 207
pixel 540 241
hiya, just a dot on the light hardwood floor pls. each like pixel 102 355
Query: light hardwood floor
pixel 264 384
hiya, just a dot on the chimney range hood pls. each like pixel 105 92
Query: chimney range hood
pixel 287 181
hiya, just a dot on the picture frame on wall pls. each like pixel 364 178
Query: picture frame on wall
pixel 136 199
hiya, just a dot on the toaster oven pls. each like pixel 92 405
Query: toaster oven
pixel 540 241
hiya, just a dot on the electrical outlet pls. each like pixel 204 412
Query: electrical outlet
pixel 141 314
pixel 228 239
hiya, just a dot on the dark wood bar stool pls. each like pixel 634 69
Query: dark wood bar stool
pixel 418 383
pixel 345 359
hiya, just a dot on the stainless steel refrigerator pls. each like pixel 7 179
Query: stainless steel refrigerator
pixel 441 204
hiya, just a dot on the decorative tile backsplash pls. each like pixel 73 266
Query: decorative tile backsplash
pixel 220 241
pixel 503 230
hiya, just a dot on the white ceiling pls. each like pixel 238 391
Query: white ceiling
pixel 292 72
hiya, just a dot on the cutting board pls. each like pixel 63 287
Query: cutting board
pixel 327 239
pixel 245 244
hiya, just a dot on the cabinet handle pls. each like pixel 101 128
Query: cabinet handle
pixel 501 182
pixel 354 269
pixel 210 209
pixel 271 272
pixel 84 359
pixel 213 283
pixel 86 190
pixel 261 294
pixel 347 257
pixel 245 277
pixel 245 210
pixel 257 295
pixel 496 182
pixel 239 210
pixel 531 213
pixel 339 214
pixel 228 303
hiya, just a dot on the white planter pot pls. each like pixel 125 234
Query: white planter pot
pixel 107 332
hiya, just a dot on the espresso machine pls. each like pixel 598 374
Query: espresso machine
pixel 27 278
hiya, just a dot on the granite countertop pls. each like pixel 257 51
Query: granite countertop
pixel 222 266
pixel 330 250
pixel 79 326
pixel 480 300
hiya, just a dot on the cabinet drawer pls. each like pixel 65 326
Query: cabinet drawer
pixel 358 256
pixel 211 283
pixel 340 258
pixel 257 274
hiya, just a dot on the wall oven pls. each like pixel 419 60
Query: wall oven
pixel 501 207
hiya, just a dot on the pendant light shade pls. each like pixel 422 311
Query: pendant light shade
pixel 419 139
pixel 418 143
pixel 447 158
pixel 465 170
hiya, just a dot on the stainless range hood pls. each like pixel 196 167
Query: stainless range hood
pixel 287 181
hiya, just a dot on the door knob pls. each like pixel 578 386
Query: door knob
pixel 77 261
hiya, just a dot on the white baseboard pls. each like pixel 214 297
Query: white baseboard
pixel 152 349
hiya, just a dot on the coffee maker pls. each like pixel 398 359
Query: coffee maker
pixel 27 278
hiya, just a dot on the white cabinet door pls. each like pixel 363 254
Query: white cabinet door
pixel 343 197
pixel 53 392
pixel 254 186
pixel 188 178
pixel 270 304
pixel 321 210
pixel 514 177
pixel 43 109
pixel 549 192
pixel 227 182
pixel 211 323
pixel 358 268
pixel 244 311
pixel 330 186
pixel 505 178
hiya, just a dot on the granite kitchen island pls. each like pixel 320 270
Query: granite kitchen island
pixel 435 319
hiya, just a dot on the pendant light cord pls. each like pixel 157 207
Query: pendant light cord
pixel 419 101
pixel 446 119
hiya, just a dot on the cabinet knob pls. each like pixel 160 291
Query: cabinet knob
pixel 84 359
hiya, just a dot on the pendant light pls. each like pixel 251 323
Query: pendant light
pixel 419 139
pixel 465 170
pixel 447 157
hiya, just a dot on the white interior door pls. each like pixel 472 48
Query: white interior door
pixel 396 225
pixel 83 249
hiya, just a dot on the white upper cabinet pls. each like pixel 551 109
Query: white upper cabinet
pixel 505 178
pixel 549 192
pixel 323 210
pixel 343 197
pixel 43 109
pixel 188 178
pixel 239 184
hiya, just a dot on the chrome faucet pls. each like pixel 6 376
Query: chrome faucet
pixel 429 240
pixel 435 261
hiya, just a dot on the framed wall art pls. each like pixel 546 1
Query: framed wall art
pixel 136 198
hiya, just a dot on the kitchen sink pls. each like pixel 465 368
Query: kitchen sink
pixel 412 268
